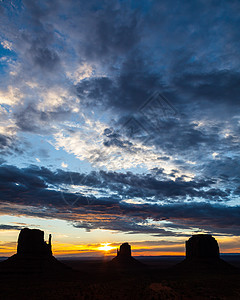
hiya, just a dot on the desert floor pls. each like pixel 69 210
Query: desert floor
pixel 158 278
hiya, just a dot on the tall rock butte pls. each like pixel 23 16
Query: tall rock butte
pixel 34 255
pixel 31 243
pixel 202 246
pixel 124 251
pixel 124 257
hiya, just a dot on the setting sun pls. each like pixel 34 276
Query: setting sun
pixel 105 247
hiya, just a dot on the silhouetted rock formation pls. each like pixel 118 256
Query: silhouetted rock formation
pixel 202 246
pixel 34 255
pixel 124 250
pixel 202 254
pixel 124 257
pixel 31 242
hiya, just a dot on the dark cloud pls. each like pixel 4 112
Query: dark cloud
pixel 45 58
pixel 127 185
pixel 125 93
pixel 110 32
pixel 225 166
pixel 179 37
pixel 37 10
pixel 13 175
pixel 9 145
pixel 31 119
pixel 130 227
pixel 10 227
pixel 32 189
pixel 4 141
pixel 212 91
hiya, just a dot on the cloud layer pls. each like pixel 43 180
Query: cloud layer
pixel 137 101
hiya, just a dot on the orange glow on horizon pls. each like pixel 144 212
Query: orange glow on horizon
pixel 226 244
pixel 105 247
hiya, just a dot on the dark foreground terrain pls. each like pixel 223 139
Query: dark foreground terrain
pixel 156 278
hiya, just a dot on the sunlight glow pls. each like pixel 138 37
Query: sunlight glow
pixel 105 247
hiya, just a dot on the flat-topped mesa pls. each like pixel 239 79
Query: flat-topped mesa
pixel 202 246
pixel 202 257
pixel 124 250
pixel 31 242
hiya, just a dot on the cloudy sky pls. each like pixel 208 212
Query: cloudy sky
pixel 120 121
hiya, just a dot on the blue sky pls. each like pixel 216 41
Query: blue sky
pixel 120 117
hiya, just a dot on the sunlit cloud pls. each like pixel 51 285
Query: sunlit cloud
pixel 81 72
pixel 11 96
pixel 64 165
pixel 7 45
pixel 215 155
pixel 87 143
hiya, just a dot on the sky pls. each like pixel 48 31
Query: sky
pixel 120 122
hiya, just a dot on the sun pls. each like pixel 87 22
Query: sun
pixel 105 247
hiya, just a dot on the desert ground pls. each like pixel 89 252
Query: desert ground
pixel 156 278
